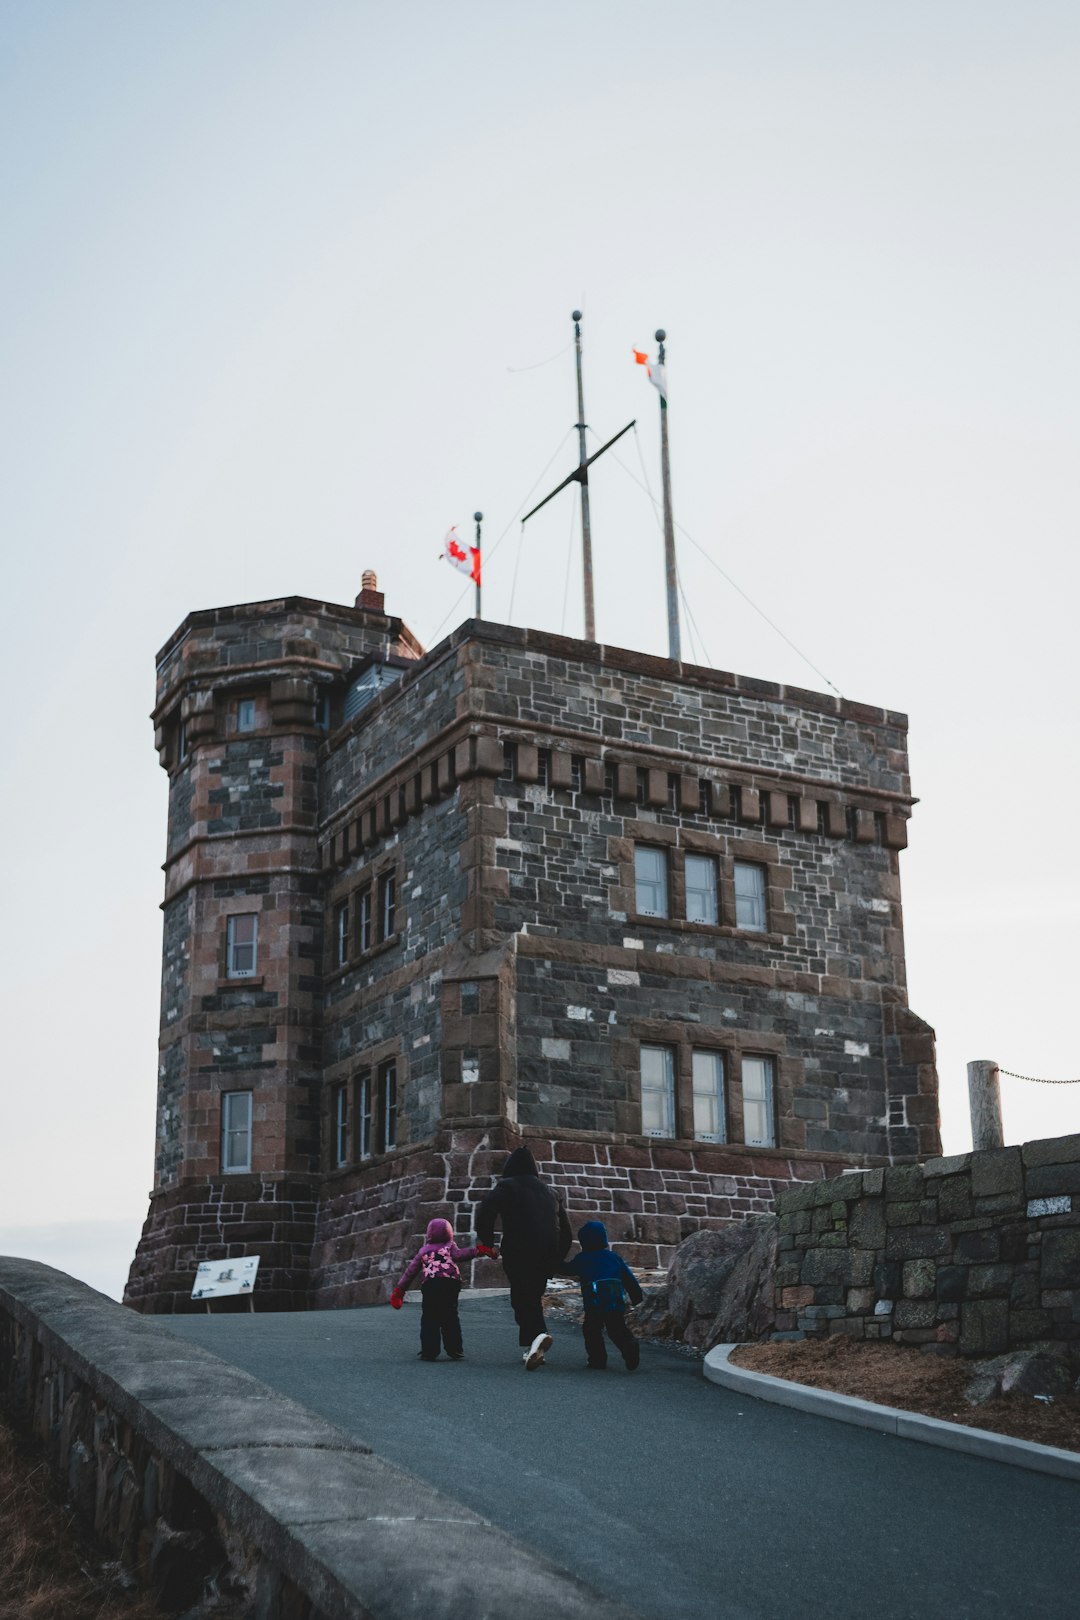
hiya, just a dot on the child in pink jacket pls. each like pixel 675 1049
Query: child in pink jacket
pixel 439 1289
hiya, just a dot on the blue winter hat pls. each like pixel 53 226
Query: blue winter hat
pixel 593 1235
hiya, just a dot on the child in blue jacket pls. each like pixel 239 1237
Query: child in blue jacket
pixel 605 1280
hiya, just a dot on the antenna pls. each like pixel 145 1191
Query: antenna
pixel 660 379
pixel 580 475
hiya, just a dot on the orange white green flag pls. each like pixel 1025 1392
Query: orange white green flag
pixel 657 373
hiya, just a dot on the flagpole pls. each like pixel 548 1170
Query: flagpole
pixel 586 527
pixel 477 519
pixel 674 643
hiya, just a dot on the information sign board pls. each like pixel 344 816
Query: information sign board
pixel 217 1278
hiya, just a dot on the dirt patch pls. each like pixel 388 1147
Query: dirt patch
pixel 933 1385
pixel 52 1570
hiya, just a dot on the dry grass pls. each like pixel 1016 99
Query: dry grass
pixel 50 1568
pixel 893 1375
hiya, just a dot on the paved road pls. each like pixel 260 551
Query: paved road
pixel 683 1500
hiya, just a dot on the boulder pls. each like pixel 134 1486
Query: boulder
pixel 652 1318
pixel 1037 1370
pixel 720 1285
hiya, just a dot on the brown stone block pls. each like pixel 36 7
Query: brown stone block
pixel 656 790
pixel 865 827
pixel 777 809
pixel 528 762
pixel 575 1153
pixel 624 1154
pixel 626 781
pixel 595 776
pixel 489 756
pixel 750 805
pixel 689 794
pixel 806 816
pixel 672 1158
pixel 561 769
pixel 896 834
pixel 836 824
pixel 445 773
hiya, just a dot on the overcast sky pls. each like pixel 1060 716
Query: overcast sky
pixel 276 283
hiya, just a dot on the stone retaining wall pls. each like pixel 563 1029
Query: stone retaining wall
pixel 220 1494
pixel 975 1253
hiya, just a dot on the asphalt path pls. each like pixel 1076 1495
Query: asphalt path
pixel 683 1500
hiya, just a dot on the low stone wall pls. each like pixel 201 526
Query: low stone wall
pixel 975 1253
pixel 211 1487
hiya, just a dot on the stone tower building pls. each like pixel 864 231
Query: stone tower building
pixel 420 907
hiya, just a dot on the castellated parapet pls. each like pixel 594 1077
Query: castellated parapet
pixel 420 907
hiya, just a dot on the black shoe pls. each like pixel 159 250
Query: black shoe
pixel 596 1366
pixel 632 1358
pixel 456 1355
pixel 421 1356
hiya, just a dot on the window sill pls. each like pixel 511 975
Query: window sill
pixel 683 925
pixel 253 981
pixel 359 962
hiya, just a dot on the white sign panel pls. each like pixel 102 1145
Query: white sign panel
pixel 216 1278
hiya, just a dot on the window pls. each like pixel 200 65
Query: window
pixel 241 945
pixel 543 767
pixel 388 1099
pixel 709 1097
pixel 470 1067
pixel 387 905
pixel 650 876
pixel 657 1091
pixel 322 711
pixel 341 933
pixel 577 773
pixel 245 714
pixel 363 1118
pixel 181 742
pixel 367 936
pixel 701 903
pixel 470 999
pixel 509 769
pixel 759 1126
pixel 341 1125
pixel 749 896
pixel 236 1130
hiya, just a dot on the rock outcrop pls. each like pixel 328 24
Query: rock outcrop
pixel 719 1288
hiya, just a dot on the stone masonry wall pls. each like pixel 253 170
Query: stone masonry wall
pixel 973 1253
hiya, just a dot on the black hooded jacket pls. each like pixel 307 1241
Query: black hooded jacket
pixel 535 1230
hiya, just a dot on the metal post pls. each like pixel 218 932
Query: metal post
pixel 586 527
pixel 984 1100
pixel 674 641
pixel 478 519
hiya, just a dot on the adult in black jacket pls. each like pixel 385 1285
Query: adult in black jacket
pixel 536 1238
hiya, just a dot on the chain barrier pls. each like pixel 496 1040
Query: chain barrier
pixel 1037 1079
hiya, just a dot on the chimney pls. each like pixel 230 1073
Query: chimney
pixel 370 597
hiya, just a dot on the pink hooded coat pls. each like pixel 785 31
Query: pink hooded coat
pixel 438 1258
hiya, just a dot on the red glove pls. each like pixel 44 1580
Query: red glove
pixel 397 1299
pixel 482 1248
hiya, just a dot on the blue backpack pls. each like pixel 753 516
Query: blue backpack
pixel 605 1294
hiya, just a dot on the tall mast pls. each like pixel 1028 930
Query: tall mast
pixel 478 519
pixel 674 642
pixel 586 527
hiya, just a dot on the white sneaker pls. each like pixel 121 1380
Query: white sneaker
pixel 534 1355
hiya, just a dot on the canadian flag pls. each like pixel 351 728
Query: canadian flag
pixel 657 373
pixel 467 558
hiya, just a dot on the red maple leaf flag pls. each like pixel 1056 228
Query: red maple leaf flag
pixel 458 555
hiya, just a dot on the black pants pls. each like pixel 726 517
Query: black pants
pixel 617 1331
pixel 527 1285
pixel 439 1318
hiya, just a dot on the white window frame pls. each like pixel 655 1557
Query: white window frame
pixel 388 1100
pixel 366 920
pixel 363 1118
pixel 341 1126
pixel 642 883
pixel 235 1134
pixel 387 905
pixel 661 1086
pixel 233 946
pixel 710 891
pixel 470 1067
pixel 709 1082
pixel 759 1091
pixel 341 931
pixel 751 909
pixel 246 715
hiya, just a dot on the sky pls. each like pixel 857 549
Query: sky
pixel 285 291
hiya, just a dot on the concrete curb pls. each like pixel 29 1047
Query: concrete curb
pixel 889 1419
pixel 305 1503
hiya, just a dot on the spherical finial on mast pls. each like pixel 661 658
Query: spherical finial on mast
pixel 660 334
pixel 576 316
pixel 478 517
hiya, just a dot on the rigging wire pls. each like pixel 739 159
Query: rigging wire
pixel 733 583
pixel 515 370
pixel 490 552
